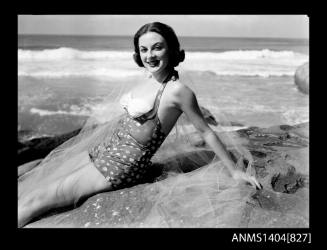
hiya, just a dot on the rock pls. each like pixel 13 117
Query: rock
pixel 289 182
pixel 301 130
pixel 281 165
pixel 40 147
pixel 27 167
pixel 267 209
pixel 302 78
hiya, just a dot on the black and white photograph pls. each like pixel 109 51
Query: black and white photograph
pixel 163 121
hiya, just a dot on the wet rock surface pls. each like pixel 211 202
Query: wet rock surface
pixel 30 150
pixel 301 78
pixel 281 164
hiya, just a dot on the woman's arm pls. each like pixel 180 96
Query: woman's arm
pixel 189 105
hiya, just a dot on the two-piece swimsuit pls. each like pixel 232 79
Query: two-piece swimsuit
pixel 125 158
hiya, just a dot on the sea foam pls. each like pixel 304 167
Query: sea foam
pixel 70 54
pixel 69 62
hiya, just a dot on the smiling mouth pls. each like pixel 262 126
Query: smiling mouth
pixel 153 64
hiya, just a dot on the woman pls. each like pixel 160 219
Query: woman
pixel 151 112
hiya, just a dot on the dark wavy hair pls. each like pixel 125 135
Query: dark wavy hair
pixel 175 54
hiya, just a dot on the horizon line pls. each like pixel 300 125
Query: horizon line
pixel 182 36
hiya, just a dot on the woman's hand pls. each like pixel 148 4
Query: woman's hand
pixel 239 175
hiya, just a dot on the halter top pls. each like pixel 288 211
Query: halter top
pixel 143 129
pixel 137 107
pixel 126 156
pixel 142 120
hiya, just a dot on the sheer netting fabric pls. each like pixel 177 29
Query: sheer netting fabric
pixel 198 186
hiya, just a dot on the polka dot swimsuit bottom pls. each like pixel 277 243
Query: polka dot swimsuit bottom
pixel 125 158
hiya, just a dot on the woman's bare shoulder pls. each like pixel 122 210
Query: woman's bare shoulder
pixel 181 94
pixel 180 89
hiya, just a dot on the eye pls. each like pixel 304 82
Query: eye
pixel 157 47
pixel 142 50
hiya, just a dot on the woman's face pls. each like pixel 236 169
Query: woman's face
pixel 154 52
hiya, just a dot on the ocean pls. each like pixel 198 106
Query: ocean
pixel 63 79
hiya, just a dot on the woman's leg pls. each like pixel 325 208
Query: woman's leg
pixel 81 183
